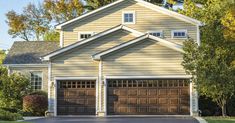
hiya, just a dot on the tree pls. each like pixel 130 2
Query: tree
pixel 18 26
pixel 94 4
pixel 30 25
pixel 12 89
pixel 2 56
pixel 63 10
pixel 51 36
pixel 211 63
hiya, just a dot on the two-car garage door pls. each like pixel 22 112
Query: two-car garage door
pixel 125 97
pixel 148 97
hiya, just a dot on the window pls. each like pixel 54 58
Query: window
pixel 179 34
pixel 84 35
pixel 156 33
pixel 36 80
pixel 128 17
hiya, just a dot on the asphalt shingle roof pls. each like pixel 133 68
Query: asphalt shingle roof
pixel 29 52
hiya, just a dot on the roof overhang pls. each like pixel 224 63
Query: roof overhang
pixel 98 56
pixel 142 3
pixel 116 28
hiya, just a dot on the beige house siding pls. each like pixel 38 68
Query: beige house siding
pixel 78 62
pixel 26 71
pixel 147 58
pixel 146 20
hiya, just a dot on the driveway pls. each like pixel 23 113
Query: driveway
pixel 113 120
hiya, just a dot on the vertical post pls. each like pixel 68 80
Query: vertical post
pixel 191 98
pixel 61 38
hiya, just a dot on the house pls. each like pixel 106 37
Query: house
pixel 121 59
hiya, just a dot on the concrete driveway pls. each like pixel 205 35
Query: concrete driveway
pixel 114 120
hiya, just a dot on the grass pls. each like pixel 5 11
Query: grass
pixel 220 119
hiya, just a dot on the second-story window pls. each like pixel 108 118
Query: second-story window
pixel 128 17
pixel 84 35
pixel 179 34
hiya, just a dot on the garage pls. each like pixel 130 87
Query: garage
pixel 148 97
pixel 76 97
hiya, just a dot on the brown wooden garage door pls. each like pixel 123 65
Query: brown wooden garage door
pixel 76 97
pixel 148 97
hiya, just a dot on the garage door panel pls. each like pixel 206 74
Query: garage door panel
pixel 78 97
pixel 148 97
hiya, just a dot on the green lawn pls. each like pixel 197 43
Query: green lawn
pixel 220 119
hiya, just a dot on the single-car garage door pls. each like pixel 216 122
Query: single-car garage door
pixel 76 97
pixel 148 97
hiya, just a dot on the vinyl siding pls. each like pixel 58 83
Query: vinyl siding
pixel 147 58
pixel 146 20
pixel 26 71
pixel 78 62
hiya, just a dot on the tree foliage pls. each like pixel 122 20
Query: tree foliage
pixel 30 25
pixel 2 56
pixel 51 36
pixel 211 63
pixel 12 89
pixel 63 10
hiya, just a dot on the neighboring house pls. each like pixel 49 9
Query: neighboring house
pixel 121 59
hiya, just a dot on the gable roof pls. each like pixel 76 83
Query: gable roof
pixel 76 44
pixel 29 52
pixel 142 3
pixel 163 42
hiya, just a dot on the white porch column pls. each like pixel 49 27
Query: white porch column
pixel 193 99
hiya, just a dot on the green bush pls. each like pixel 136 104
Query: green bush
pixel 8 116
pixel 12 89
pixel 35 104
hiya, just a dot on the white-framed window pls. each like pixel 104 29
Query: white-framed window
pixel 156 33
pixel 36 80
pixel 128 17
pixel 84 35
pixel 179 34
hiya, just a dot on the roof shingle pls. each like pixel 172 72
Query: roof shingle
pixel 29 52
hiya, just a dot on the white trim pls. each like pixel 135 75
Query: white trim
pixel 191 98
pixel 150 77
pixel 61 38
pixel 143 3
pixel 179 30
pixel 100 86
pixel 67 78
pixel 198 36
pixel 84 33
pixel 128 12
pixel 27 65
pixel 160 40
pixel 47 57
pixel 105 97
pixel 97 97
pixel 49 87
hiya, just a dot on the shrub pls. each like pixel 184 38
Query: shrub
pixel 39 93
pixel 12 89
pixel 6 115
pixel 35 104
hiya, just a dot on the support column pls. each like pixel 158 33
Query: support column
pixel 193 99
pixel 101 112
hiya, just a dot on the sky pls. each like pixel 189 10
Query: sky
pixel 6 5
